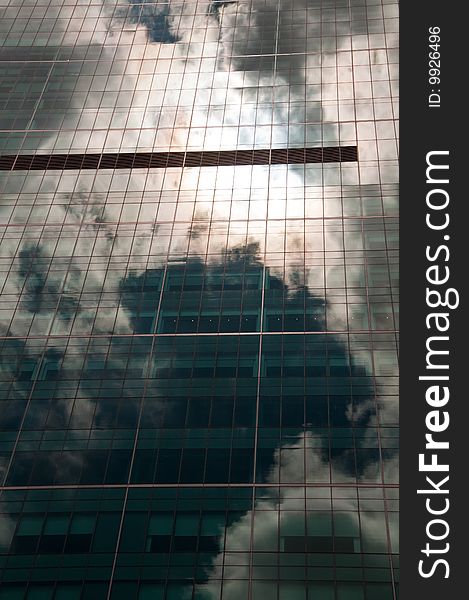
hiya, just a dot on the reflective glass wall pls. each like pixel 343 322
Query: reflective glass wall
pixel 198 312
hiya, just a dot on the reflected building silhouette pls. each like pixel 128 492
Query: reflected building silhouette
pixel 198 334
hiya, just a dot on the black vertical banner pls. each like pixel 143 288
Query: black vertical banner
pixel 434 271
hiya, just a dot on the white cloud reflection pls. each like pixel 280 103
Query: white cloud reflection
pixel 369 532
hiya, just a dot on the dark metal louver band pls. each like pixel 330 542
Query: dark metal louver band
pixel 146 160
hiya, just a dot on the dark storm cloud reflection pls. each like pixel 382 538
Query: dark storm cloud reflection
pixel 123 365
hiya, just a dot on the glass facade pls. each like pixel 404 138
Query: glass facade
pixel 198 318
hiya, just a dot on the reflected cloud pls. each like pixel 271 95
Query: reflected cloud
pixel 280 525
pixel 259 73
pixel 155 17
pixel 143 311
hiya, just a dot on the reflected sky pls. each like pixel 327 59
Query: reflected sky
pixel 256 251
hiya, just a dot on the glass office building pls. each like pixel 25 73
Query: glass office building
pixel 198 318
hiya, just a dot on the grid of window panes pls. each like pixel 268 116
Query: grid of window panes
pixel 198 365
